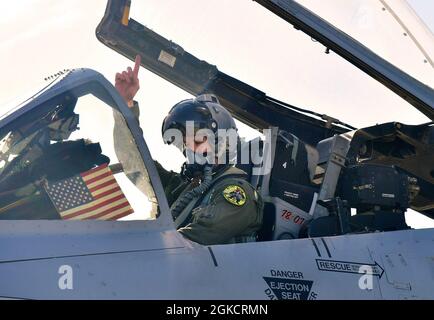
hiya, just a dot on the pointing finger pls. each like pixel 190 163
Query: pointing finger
pixel 137 66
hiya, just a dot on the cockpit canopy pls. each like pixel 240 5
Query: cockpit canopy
pixel 58 158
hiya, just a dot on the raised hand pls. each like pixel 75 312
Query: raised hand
pixel 127 83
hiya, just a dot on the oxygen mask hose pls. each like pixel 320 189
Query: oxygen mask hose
pixel 197 191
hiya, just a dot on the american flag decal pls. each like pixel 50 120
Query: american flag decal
pixel 93 194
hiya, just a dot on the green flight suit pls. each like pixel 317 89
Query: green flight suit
pixel 219 219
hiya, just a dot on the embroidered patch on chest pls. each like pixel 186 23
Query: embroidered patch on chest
pixel 235 195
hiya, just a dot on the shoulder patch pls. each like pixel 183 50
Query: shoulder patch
pixel 235 195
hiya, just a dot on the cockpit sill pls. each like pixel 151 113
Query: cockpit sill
pixel 27 240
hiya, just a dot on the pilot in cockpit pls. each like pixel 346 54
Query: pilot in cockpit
pixel 211 200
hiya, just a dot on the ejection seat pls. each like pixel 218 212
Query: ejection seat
pixel 282 172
